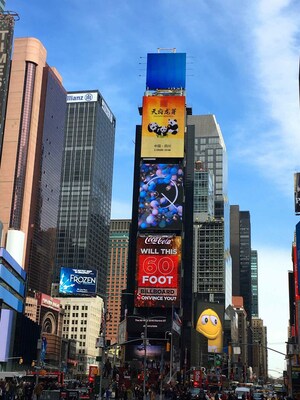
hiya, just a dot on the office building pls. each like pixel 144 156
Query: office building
pixel 86 186
pixel 212 261
pixel 259 349
pixel 117 274
pixel 240 248
pixel 7 21
pixel 82 321
pixel 31 160
pixel 254 283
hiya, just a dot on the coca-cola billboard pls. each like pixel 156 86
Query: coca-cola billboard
pixel 158 270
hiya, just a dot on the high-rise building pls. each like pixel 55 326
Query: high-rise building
pixel 240 248
pixel 117 274
pixel 254 283
pixel 259 349
pixel 212 261
pixel 82 323
pixel 86 186
pixel 2 5
pixel 31 160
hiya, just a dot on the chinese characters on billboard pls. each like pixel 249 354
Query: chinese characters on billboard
pixel 158 270
pixel 163 126
pixel 160 196
pixel 77 281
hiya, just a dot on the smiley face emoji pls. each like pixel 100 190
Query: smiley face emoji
pixel 209 324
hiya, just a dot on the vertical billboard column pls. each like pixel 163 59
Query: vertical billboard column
pixel 158 270
pixel 6 37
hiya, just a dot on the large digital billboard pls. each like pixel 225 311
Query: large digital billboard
pixel 77 281
pixel 166 71
pixel 163 126
pixel 297 192
pixel 208 322
pixel 160 197
pixel 158 270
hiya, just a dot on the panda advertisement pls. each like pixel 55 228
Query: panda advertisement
pixel 163 126
pixel 158 270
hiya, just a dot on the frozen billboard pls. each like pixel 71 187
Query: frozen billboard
pixel 158 270
pixel 163 126
pixel 77 281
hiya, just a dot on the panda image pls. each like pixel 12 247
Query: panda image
pixel 172 126
pixel 162 131
pixel 153 127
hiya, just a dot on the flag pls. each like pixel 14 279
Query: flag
pixel 176 323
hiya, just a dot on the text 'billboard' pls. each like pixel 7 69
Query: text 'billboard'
pixel 158 271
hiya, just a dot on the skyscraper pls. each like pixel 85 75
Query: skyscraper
pixel 31 160
pixel 2 5
pixel 212 261
pixel 117 274
pixel 86 185
pixel 254 283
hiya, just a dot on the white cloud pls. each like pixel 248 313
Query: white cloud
pixel 273 267
pixel 273 133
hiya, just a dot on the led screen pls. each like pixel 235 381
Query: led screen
pixel 160 196
pixel 163 126
pixel 158 271
pixel 297 192
pixel 77 281
pixel 209 323
pixel 166 71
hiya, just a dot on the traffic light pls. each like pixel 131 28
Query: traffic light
pixel 21 360
pixel 33 363
pixel 168 346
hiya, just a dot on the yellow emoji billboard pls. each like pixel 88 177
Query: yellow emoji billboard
pixel 209 322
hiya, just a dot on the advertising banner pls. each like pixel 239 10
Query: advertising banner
pixel 297 192
pixel 77 281
pixel 47 301
pixel 163 126
pixel 166 71
pixel 160 197
pixel 209 323
pixel 158 271
pixel 298 258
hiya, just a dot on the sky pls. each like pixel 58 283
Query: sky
pixel 242 66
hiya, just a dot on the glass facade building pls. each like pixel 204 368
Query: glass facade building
pixel 86 186
pixel 46 183
pixel 254 283
pixel 212 275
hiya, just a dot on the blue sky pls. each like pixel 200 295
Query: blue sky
pixel 242 66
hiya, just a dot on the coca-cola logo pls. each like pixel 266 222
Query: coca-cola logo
pixel 158 240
